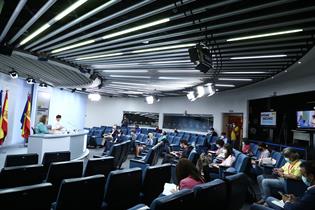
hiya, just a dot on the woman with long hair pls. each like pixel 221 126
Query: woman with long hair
pixel 187 174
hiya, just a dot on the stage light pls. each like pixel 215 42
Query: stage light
pixel 200 91
pixel 30 81
pixel 13 74
pixel 43 85
pixel 191 96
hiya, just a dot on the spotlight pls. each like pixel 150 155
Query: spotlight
pixel 43 85
pixel 191 96
pixel 149 99
pixel 13 74
pixel 211 90
pixel 73 90
pixel 30 81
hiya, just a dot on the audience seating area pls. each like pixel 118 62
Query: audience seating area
pixel 63 184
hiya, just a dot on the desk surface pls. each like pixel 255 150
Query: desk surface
pixel 59 135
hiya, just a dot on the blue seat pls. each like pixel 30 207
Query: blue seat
pixel 21 176
pixel 193 156
pixel 236 191
pixel 81 193
pixel 21 160
pixel 186 137
pixel 267 169
pixel 183 199
pixel 35 197
pixel 170 139
pixel 63 170
pixel 144 130
pixel 122 189
pixel 102 165
pixel 148 160
pixel 125 148
pixel 52 157
pixel 154 178
pixel 212 194
pixel 175 143
pixel 193 139
pixel 201 140
pixel 115 151
pixel 240 165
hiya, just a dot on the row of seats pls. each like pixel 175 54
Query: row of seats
pixel 227 194
pixel 121 189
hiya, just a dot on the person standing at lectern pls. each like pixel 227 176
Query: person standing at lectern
pixel 41 126
pixel 57 126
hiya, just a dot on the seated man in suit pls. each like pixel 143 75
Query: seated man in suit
pixel 290 202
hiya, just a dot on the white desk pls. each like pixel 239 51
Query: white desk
pixel 73 142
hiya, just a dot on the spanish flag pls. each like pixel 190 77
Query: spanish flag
pixel 4 120
pixel 26 119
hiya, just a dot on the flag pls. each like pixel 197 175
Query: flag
pixel 26 119
pixel 4 120
pixel 1 131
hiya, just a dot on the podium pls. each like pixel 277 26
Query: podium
pixel 74 142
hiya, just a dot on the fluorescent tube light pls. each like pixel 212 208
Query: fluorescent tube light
pixel 234 79
pixel 69 9
pixel 177 78
pixel 264 35
pixel 111 65
pixel 136 28
pixel 178 71
pixel 129 83
pixel 94 96
pixel 98 56
pixel 168 62
pixel 125 71
pixel 52 21
pixel 244 72
pixel 211 90
pixel 164 48
pixel 35 33
pixel 258 56
pixel 224 85
pixel 129 76
pixel 73 46
pixel 191 96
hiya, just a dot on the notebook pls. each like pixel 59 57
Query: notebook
pixel 279 203
pixel 168 188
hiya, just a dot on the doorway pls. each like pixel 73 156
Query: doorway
pixel 228 119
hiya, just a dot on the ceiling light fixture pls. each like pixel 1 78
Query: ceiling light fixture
pixel 73 46
pixel 129 76
pixel 13 74
pixel 234 79
pixel 43 85
pixel 30 81
pixel 168 62
pixel 136 28
pixel 258 56
pixel 149 99
pixel 244 72
pixel 54 20
pixel 125 71
pixel 264 35
pixel 191 96
pixel 211 90
pixel 94 96
pixel 200 91
pixel 129 83
pixel 98 56
pixel 224 85
pixel 164 48
pixel 178 71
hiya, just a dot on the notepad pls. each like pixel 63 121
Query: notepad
pixel 278 203
pixel 168 188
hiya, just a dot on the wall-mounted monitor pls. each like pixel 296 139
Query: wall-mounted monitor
pixel 268 118
pixel 306 119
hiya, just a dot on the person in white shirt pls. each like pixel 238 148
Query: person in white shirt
pixel 58 126
pixel 228 160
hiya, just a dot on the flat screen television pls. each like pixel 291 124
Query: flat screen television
pixel 268 118
pixel 306 119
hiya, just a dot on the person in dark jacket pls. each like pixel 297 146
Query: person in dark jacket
pixel 305 202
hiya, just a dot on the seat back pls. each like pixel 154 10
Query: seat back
pixel 81 193
pixel 21 160
pixel 21 176
pixel 63 170
pixel 176 141
pixel 212 194
pixel 35 197
pixel 51 157
pixel 241 163
pixel 193 139
pixel 183 199
pixel 186 137
pixel 103 165
pixel 193 156
pixel 201 140
pixel 236 188
pixel 124 153
pixel 154 178
pixel 278 157
pixel 170 139
pixel 122 188
pixel 115 151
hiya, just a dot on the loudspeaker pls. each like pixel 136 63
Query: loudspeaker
pixel 6 50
